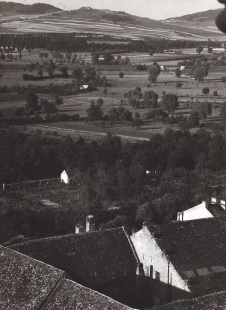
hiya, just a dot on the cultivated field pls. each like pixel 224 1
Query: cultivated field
pixel 68 23
pixel 191 90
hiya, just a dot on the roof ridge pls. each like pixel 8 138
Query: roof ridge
pixel 52 292
pixel 131 245
pixel 58 237
pixel 30 258
pixel 183 222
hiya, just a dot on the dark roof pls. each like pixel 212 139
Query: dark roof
pixel 91 258
pixel 209 302
pixel 71 172
pixel 71 296
pixel 25 282
pixel 197 249
pixel 216 210
pixel 29 284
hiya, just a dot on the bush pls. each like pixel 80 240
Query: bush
pixel 205 90
pixel 121 75
pixel 19 112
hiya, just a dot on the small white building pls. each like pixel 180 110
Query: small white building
pixel 67 176
pixel 84 87
pixel 204 210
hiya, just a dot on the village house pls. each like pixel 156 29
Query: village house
pixel 183 259
pixel 30 284
pixel 104 261
pixel 214 208
pixel 68 176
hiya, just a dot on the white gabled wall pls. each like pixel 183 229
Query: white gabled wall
pixel 198 212
pixel 150 254
pixel 64 177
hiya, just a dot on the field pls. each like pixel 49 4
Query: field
pixel 78 104
pixel 100 23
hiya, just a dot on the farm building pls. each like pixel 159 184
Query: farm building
pixel 30 284
pixel 67 176
pixel 215 208
pixel 84 87
pixel 183 259
pixel 101 260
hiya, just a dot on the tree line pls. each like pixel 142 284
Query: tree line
pixel 73 42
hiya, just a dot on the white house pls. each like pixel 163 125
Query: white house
pixel 215 208
pixel 183 259
pixel 67 176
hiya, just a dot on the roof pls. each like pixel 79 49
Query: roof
pixel 216 209
pixel 25 282
pixel 91 258
pixel 71 296
pixel 197 249
pixel 29 284
pixel 71 172
pixel 209 302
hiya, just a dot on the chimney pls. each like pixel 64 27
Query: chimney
pixel 77 229
pixel 222 203
pixel 213 200
pixel 90 224
pixel 140 280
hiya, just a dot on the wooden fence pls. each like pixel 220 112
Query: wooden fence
pixel 29 184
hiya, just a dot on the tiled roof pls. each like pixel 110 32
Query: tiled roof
pixel 90 258
pixel 216 210
pixel 27 284
pixel 24 282
pixel 71 296
pixel 197 249
pixel 210 302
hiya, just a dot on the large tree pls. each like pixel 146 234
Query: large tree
pixel 94 112
pixel 154 72
pixel 32 103
pixel 170 102
pixel 204 109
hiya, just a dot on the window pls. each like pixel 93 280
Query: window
pixel 157 276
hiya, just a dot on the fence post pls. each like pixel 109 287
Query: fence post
pixel 3 187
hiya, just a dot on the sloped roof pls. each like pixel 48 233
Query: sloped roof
pixel 71 296
pixel 216 209
pixel 197 249
pixel 209 302
pixel 29 284
pixel 91 258
pixel 24 282
pixel 71 172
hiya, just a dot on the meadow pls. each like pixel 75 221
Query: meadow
pixel 79 103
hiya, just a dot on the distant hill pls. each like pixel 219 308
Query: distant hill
pixel 206 16
pixel 18 8
pixel 121 17
pixel 116 23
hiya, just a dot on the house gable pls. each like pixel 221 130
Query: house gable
pixel 155 262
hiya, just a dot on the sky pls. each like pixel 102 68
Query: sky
pixel 155 9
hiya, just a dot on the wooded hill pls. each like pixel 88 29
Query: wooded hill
pixel 18 8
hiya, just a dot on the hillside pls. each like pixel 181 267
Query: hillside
pixel 115 23
pixel 7 8
pixel 206 16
